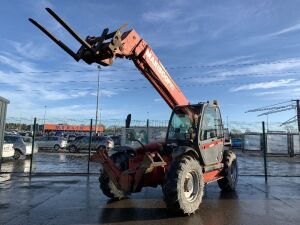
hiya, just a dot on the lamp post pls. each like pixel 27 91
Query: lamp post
pixel 97 103
pixel 44 118
pixel 147 127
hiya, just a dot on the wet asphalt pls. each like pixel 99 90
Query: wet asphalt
pixel 64 162
pixel 77 200
pixel 68 198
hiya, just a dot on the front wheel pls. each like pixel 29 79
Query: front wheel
pixel 107 186
pixel 184 186
pixel 230 172
pixel 56 147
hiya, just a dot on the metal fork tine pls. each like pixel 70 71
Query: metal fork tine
pixel 105 32
pixel 110 35
pixel 53 38
pixel 69 29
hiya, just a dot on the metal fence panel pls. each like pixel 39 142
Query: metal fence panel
pixel 277 143
pixel 157 134
pixel 252 142
pixel 296 144
pixel 144 135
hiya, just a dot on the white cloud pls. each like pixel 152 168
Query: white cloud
pixel 281 94
pixel 272 66
pixel 106 93
pixel 245 68
pixel 157 16
pixel 158 100
pixel 58 96
pixel 293 28
pixel 266 37
pixel 79 111
pixel 281 91
pixel 266 85
pixel 16 63
pixel 30 50
pixel 252 70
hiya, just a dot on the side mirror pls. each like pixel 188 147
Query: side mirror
pixel 128 121
pixel 130 136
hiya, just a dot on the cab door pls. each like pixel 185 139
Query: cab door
pixel 211 135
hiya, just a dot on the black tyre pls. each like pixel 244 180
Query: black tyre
pixel 230 172
pixel 56 147
pixel 184 186
pixel 101 147
pixel 106 185
pixel 17 154
pixel 72 149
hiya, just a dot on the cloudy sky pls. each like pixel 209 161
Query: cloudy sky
pixel 245 54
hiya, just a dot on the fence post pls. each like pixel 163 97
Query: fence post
pixel 264 146
pixel 243 144
pixel 290 138
pixel 32 146
pixel 147 131
pixel 90 142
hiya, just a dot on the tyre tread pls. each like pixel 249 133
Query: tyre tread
pixel 172 191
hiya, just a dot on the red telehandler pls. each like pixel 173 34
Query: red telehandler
pixel 193 153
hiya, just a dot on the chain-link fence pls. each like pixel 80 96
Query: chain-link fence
pixel 63 146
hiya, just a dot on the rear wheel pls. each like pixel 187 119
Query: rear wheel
pixel 106 185
pixel 230 172
pixel 184 186
pixel 56 147
pixel 17 154
pixel 101 147
pixel 72 149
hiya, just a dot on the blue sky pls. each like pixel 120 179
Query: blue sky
pixel 259 39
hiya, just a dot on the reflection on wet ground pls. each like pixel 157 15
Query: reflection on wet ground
pixel 64 162
pixel 51 162
pixel 77 200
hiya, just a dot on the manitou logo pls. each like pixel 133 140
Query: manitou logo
pixel 160 69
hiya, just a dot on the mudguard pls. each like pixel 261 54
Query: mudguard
pixel 180 150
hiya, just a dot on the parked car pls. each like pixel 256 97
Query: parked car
pixel 116 139
pixel 82 142
pixel 55 143
pixel 22 145
pixel 237 143
pixel 8 150
pixel 71 137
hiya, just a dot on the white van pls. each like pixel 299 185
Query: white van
pixel 8 150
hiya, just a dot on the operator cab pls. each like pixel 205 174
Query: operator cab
pixel 200 127
pixel 184 124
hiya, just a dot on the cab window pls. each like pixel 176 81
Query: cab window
pixel 220 131
pixel 211 124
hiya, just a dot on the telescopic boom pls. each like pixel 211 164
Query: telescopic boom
pixel 118 44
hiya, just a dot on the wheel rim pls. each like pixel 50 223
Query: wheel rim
pixel 191 186
pixel 72 149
